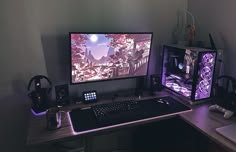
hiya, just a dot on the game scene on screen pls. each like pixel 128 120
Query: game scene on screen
pixel 109 56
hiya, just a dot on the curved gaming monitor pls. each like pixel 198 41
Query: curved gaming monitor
pixel 107 56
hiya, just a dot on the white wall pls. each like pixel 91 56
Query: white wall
pixel 34 40
pixel 218 18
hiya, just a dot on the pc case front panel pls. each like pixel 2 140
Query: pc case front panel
pixel 206 67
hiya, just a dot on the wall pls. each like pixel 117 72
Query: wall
pixel 34 40
pixel 21 56
pixel 218 18
pixel 55 20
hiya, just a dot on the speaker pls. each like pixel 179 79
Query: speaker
pixel 62 95
pixel 155 83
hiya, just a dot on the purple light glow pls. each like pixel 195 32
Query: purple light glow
pixel 204 86
pixel 205 76
pixel 188 72
pixel 183 89
pixel 72 129
pixel 38 114
pixel 185 92
pixel 169 84
pixel 206 73
pixel 176 88
pixel 175 76
pixel 180 89
pixel 196 95
pixel 174 85
pixel 208 60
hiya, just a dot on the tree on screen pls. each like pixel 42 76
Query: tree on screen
pixel 128 51
pixel 77 54
pixel 119 41
pixel 77 41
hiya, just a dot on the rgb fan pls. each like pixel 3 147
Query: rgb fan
pixel 208 60
pixel 204 86
pixel 206 73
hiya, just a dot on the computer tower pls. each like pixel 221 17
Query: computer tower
pixel 189 71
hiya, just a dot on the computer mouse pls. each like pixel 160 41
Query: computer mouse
pixel 160 100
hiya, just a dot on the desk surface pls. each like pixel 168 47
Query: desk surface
pixel 200 118
pixel 38 133
pixel 207 122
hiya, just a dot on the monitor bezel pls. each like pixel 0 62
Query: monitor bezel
pixel 93 81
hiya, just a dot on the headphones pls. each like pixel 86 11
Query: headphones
pixel 39 96
pixel 37 79
pixel 225 92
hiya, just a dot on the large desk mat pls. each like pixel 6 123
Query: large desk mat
pixel 84 120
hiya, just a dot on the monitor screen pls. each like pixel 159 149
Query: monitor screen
pixel 106 56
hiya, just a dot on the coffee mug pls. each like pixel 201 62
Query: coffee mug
pixel 54 118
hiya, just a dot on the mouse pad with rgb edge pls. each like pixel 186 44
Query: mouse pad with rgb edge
pixel 85 120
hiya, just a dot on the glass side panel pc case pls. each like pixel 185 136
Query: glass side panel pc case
pixel 108 56
pixel 188 71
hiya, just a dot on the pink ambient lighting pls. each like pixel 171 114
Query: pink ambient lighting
pixel 175 76
pixel 73 132
pixel 208 59
pixel 38 114
pixel 176 88
pixel 169 84
pixel 204 86
pixel 206 73
pixel 190 68
pixel 183 90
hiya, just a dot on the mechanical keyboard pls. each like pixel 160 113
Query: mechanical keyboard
pixel 115 107
pixel 123 111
